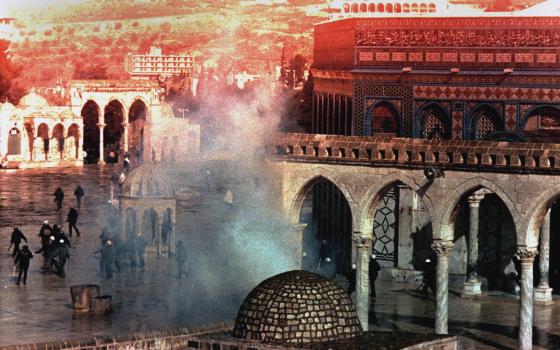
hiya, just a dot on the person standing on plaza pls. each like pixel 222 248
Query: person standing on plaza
pixel 126 163
pixel 180 258
pixel 373 273
pixel 22 261
pixel 72 221
pixel 58 198
pixel 139 249
pixel 15 240
pixel 107 258
pixel 79 193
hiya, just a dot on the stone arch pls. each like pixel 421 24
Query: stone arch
pixel 137 118
pixel 445 214
pixel 414 8
pixel 371 7
pixel 114 115
pixel 398 8
pixel 14 141
pixel 485 119
pixel 299 190
pixel 423 8
pixel 435 122
pixel 57 141
pixel 363 7
pixel 320 198
pixel 380 7
pixel 535 214
pixel 432 7
pixel 533 119
pixel 406 8
pixel 346 7
pixel 91 114
pixel 73 142
pixel 41 149
pixel 382 118
pixel 381 210
pixel 389 8
pixel 355 8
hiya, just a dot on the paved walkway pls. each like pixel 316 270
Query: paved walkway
pixel 223 244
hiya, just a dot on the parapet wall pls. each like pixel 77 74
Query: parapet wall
pixel 489 156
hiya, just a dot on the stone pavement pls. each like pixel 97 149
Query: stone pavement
pixel 225 261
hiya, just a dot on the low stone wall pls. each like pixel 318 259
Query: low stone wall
pixel 157 340
pixel 491 156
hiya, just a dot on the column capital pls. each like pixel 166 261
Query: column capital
pixel 442 248
pixel 362 240
pixel 101 125
pixel 475 199
pixel 125 125
pixel 526 254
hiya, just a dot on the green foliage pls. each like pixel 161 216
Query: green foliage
pixel 9 90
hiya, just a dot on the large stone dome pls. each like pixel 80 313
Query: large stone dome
pixel 148 181
pixel 297 307
pixel 32 99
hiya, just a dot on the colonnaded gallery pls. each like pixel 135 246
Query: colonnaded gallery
pixel 87 120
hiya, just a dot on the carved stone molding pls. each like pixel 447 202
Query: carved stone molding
pixel 442 248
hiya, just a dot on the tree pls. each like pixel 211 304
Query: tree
pixel 8 73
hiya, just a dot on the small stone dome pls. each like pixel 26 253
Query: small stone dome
pixel 7 108
pixel 148 181
pixel 32 99
pixel 297 307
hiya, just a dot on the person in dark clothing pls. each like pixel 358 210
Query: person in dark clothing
pixel 107 258
pixel 429 276
pixel 45 232
pixel 15 240
pixel 60 254
pixel 373 273
pixel 126 163
pixel 139 247
pixel 79 193
pixel 351 276
pixel 22 261
pixel 180 259
pixel 46 249
pixel 58 198
pixel 72 221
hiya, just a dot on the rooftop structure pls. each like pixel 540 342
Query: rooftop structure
pixel 155 64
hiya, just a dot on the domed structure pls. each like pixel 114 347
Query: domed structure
pixel 32 99
pixel 147 207
pixel 297 307
pixel 148 181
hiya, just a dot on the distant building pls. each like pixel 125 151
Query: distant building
pixel 156 64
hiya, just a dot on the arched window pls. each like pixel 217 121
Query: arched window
pixel 414 8
pixel 398 8
pixel 543 118
pixel 371 8
pixel 389 8
pixel 384 119
pixel 406 8
pixel 346 7
pixel 355 8
pixel 363 7
pixel 436 124
pixel 423 8
pixel 380 8
pixel 432 8
pixel 485 121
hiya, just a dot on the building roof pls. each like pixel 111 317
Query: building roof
pixel 7 108
pixel 32 99
pixel 297 307
pixel 148 181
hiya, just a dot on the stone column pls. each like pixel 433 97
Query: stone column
pixel 158 238
pixel 125 136
pixel 442 249
pixel 101 142
pixel 363 244
pixel 543 292
pixel 472 284
pixel 526 256
pixel 294 240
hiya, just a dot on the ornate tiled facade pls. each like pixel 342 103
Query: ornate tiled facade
pixel 472 77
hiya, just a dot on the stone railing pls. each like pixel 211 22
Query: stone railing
pixel 491 156
pixel 153 340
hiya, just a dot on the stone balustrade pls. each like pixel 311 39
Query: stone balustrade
pixel 492 156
